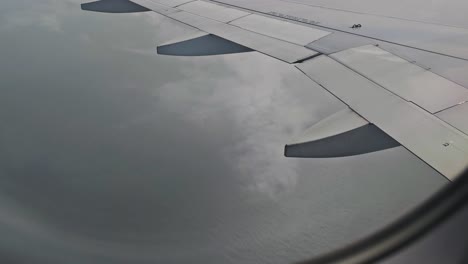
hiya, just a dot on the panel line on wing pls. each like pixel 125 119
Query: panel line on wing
pixel 337 29
pixel 437 143
pixel 276 48
pixel 403 78
pixel 279 29
pixel 212 11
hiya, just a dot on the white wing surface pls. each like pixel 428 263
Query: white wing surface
pixel 404 81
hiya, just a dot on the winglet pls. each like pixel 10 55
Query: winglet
pixel 113 6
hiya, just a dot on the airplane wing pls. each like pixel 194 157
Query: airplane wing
pixel 404 81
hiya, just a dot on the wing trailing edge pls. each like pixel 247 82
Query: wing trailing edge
pixel 440 145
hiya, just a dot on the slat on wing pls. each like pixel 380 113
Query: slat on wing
pixel 407 80
pixel 437 143
pixel 287 31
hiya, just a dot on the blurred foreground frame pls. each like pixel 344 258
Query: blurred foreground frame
pixel 417 225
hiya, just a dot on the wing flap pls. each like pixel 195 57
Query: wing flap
pixel 456 116
pixel 407 80
pixel 156 7
pixel 284 30
pixel 212 11
pixel 437 143
pixel 339 41
pixel 170 3
pixel 276 48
